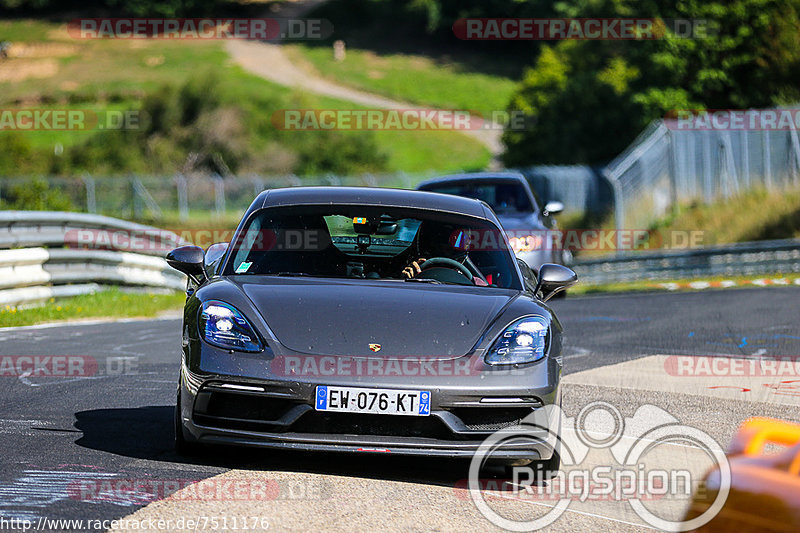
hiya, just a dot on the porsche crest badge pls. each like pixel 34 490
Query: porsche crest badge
pixel 375 347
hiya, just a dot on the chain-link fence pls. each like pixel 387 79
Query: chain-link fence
pixel 582 189
pixel 179 197
pixel 667 165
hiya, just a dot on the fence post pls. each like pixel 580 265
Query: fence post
pixel 91 200
pixel 183 197
pixel 794 149
pixel 708 177
pixel 258 185
pixel 673 171
pixel 219 195
pixel 745 144
pixel 767 161
pixel 136 204
pixel 619 209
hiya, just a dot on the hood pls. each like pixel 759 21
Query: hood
pixel 520 221
pixel 343 317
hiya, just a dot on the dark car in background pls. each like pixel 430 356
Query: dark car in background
pixel 303 333
pixel 530 226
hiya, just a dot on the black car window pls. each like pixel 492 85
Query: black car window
pixel 365 242
pixel 501 197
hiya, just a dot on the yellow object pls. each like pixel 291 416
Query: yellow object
pixel 765 487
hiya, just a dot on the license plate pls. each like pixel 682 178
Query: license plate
pixel 376 401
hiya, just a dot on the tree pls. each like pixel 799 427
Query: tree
pixel 589 99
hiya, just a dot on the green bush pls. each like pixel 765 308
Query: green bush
pixel 200 126
pixel 34 195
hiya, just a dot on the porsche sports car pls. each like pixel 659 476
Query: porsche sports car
pixel 366 320
pixel 527 221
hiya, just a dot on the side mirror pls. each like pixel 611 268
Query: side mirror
pixel 189 260
pixel 553 279
pixel 553 208
pixel 213 256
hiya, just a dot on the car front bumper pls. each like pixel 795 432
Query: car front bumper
pixel 273 412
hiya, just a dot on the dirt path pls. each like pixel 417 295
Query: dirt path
pixel 270 62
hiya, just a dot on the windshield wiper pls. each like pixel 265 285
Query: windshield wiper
pixel 289 274
pixel 425 280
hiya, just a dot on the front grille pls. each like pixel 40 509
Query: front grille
pixel 372 425
pixel 491 418
pixel 249 406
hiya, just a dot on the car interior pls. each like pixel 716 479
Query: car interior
pixel 370 243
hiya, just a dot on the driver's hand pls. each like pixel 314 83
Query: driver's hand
pixel 413 269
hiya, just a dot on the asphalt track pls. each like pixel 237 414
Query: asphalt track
pixel 61 435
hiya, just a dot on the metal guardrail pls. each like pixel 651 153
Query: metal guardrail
pixel 740 259
pixel 41 259
pixel 57 229
pixel 41 256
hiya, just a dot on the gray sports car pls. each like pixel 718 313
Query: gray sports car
pixel 528 222
pixel 366 320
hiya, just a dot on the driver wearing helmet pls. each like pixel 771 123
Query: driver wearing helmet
pixel 447 243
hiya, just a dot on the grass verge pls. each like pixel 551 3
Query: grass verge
pixel 109 303
pixel 751 216
pixel 688 285
pixel 415 79
pixel 107 74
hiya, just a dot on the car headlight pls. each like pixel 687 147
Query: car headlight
pixel 224 326
pixel 526 243
pixel 525 341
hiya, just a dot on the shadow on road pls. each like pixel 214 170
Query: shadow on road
pixel 146 433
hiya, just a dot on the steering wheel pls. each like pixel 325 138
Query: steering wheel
pixel 446 262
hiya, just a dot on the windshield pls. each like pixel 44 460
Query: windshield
pixel 501 197
pixel 360 242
